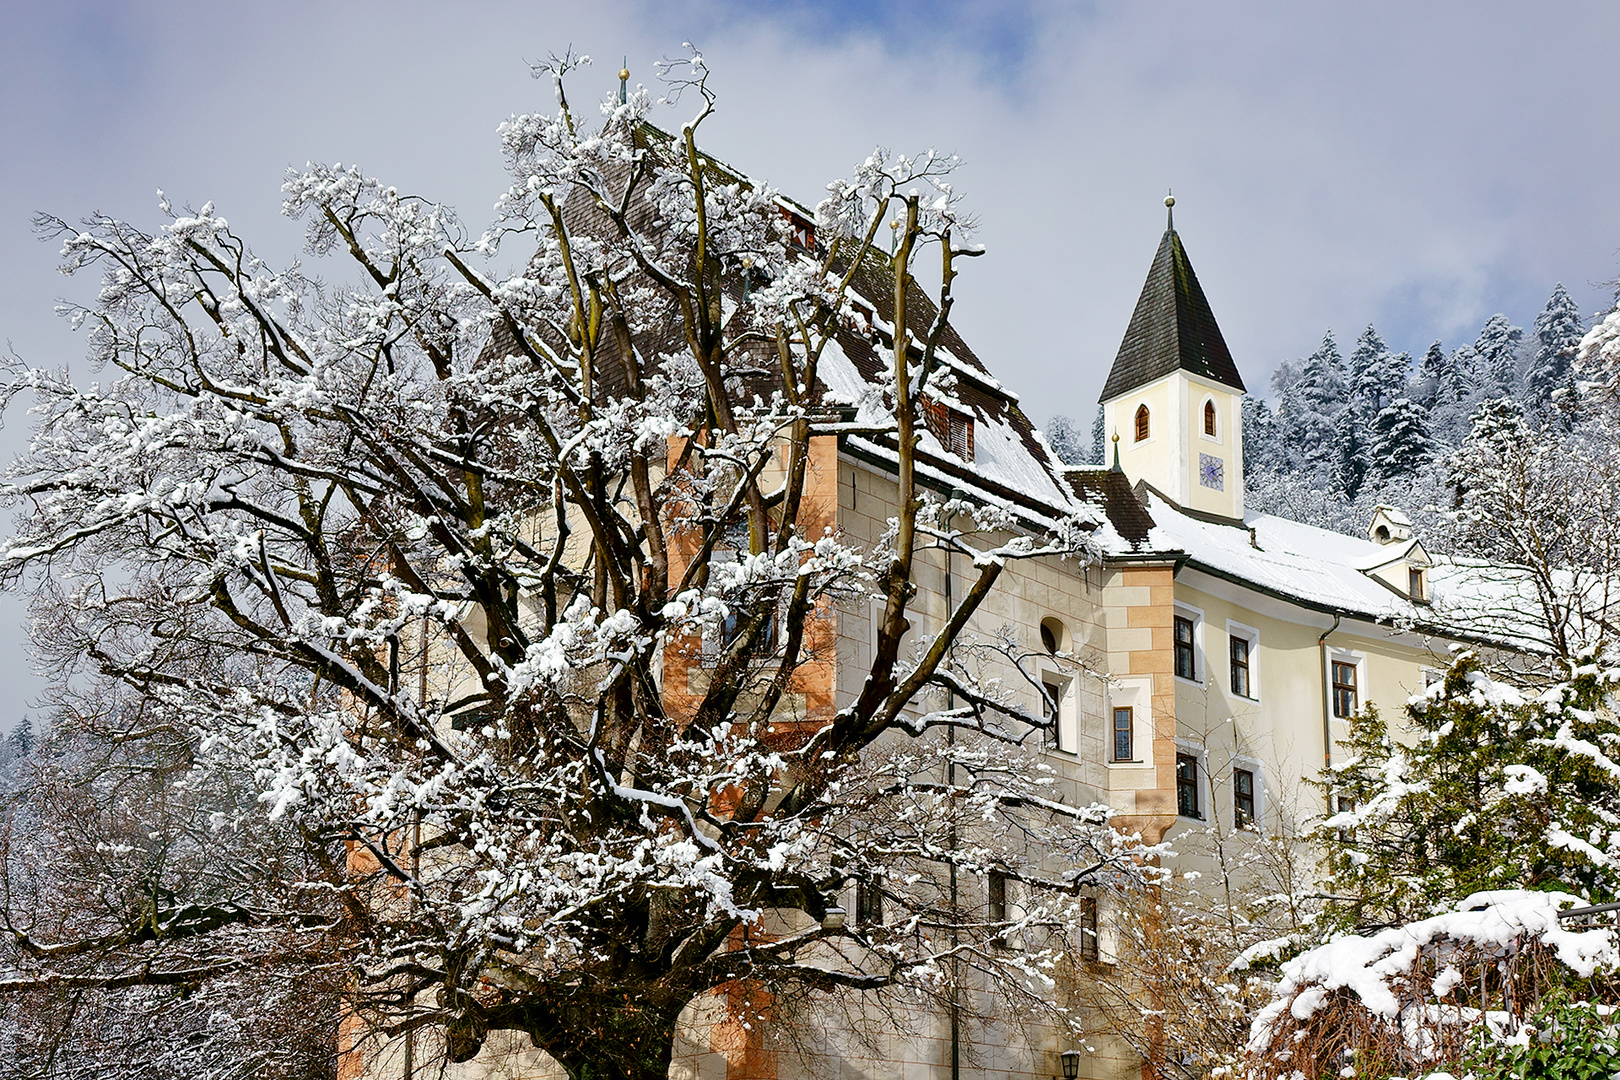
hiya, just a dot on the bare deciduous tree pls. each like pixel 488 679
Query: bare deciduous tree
pixel 506 587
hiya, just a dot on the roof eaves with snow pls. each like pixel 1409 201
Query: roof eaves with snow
pixel 1322 571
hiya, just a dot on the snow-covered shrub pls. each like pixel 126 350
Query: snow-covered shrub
pixel 1431 993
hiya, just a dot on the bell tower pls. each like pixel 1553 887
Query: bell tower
pixel 1172 405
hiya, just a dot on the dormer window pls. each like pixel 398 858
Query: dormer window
pixel 802 232
pixel 952 427
pixel 1416 587
pixel 1209 418
pixel 1142 427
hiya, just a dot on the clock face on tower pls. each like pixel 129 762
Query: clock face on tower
pixel 1212 472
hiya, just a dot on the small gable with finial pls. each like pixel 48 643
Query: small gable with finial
pixel 1389 526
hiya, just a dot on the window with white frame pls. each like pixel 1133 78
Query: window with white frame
pixel 1248 793
pixel 1130 723
pixel 1243 661
pixel 1187 632
pixel 1189 785
pixel 1088 929
pixel 1346 683
pixel 1122 746
pixel 1058 711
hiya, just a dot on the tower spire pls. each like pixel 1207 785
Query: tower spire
pixel 1172 328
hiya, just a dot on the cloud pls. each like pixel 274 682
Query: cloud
pixel 1414 166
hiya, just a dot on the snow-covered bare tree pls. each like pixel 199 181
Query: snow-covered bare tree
pixel 125 951
pixel 504 586
pixel 1544 505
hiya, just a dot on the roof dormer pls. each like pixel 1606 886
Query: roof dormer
pixel 1402 567
pixel 1389 526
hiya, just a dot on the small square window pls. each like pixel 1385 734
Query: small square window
pixel 1187 786
pixel 1123 734
pixel 1344 689
pixel 1242 797
pixel 1088 929
pixel 1240 667
pixel 1186 655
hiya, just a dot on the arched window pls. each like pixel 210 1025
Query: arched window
pixel 1209 417
pixel 1141 422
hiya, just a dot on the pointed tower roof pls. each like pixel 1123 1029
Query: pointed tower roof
pixel 1172 328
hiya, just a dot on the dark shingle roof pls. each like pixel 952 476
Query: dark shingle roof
pixel 1113 492
pixel 1172 328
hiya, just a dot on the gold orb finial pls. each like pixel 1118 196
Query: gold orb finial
pixel 1169 200
pixel 624 74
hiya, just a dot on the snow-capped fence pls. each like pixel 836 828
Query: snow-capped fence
pixel 1419 996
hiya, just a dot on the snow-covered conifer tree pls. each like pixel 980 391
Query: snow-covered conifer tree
pixel 1502 788
pixel 1401 443
pixel 1099 438
pixel 1308 407
pixel 1354 457
pixel 1497 348
pixel 1432 373
pixel 1259 436
pixel 1377 375
pixel 1457 394
pixel 1558 333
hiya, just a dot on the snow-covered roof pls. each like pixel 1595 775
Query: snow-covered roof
pixel 1331 572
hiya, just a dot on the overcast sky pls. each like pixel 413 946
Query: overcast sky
pixel 1416 166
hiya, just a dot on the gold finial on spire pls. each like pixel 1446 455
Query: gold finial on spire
pixel 624 81
pixel 1169 211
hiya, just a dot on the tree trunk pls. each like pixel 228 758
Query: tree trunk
pixel 625 1040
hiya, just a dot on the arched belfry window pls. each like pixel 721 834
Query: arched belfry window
pixel 1209 417
pixel 1141 422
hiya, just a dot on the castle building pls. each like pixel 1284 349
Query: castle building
pixel 1203 670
